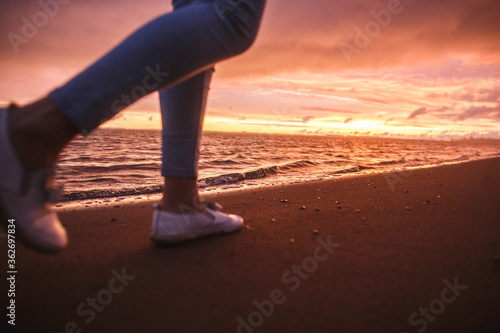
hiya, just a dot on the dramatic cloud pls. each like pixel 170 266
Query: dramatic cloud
pixel 307 119
pixel 480 111
pixel 417 112
pixel 307 35
pixel 295 35
pixel 322 109
pixel 376 59
pixel 480 95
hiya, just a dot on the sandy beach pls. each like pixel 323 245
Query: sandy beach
pixel 402 252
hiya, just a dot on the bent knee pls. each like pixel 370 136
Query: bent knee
pixel 242 20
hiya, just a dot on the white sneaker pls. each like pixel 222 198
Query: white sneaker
pixel 24 197
pixel 173 228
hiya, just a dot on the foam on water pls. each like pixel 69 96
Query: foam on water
pixel 119 163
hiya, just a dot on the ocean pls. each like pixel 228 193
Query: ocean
pixel 113 163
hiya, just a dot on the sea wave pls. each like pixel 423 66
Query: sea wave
pixel 92 169
pixel 88 170
pixel 236 177
pixel 224 179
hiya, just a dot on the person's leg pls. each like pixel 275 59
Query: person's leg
pixel 164 52
pixel 183 108
pixel 181 216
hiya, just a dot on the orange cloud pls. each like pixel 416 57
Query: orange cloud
pixel 306 35
pixel 430 65
pixel 322 109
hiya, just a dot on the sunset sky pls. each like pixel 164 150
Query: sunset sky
pixel 429 69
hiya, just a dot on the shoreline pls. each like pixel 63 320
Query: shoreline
pixel 246 160
pixel 351 254
pixel 217 190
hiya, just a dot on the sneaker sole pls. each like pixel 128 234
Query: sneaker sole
pixel 188 237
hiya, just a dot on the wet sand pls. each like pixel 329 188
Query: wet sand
pixel 376 253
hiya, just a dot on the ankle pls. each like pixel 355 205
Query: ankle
pixel 38 132
pixel 181 207
pixel 181 196
pixel 25 140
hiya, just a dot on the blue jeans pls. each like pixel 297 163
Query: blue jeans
pixel 175 54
